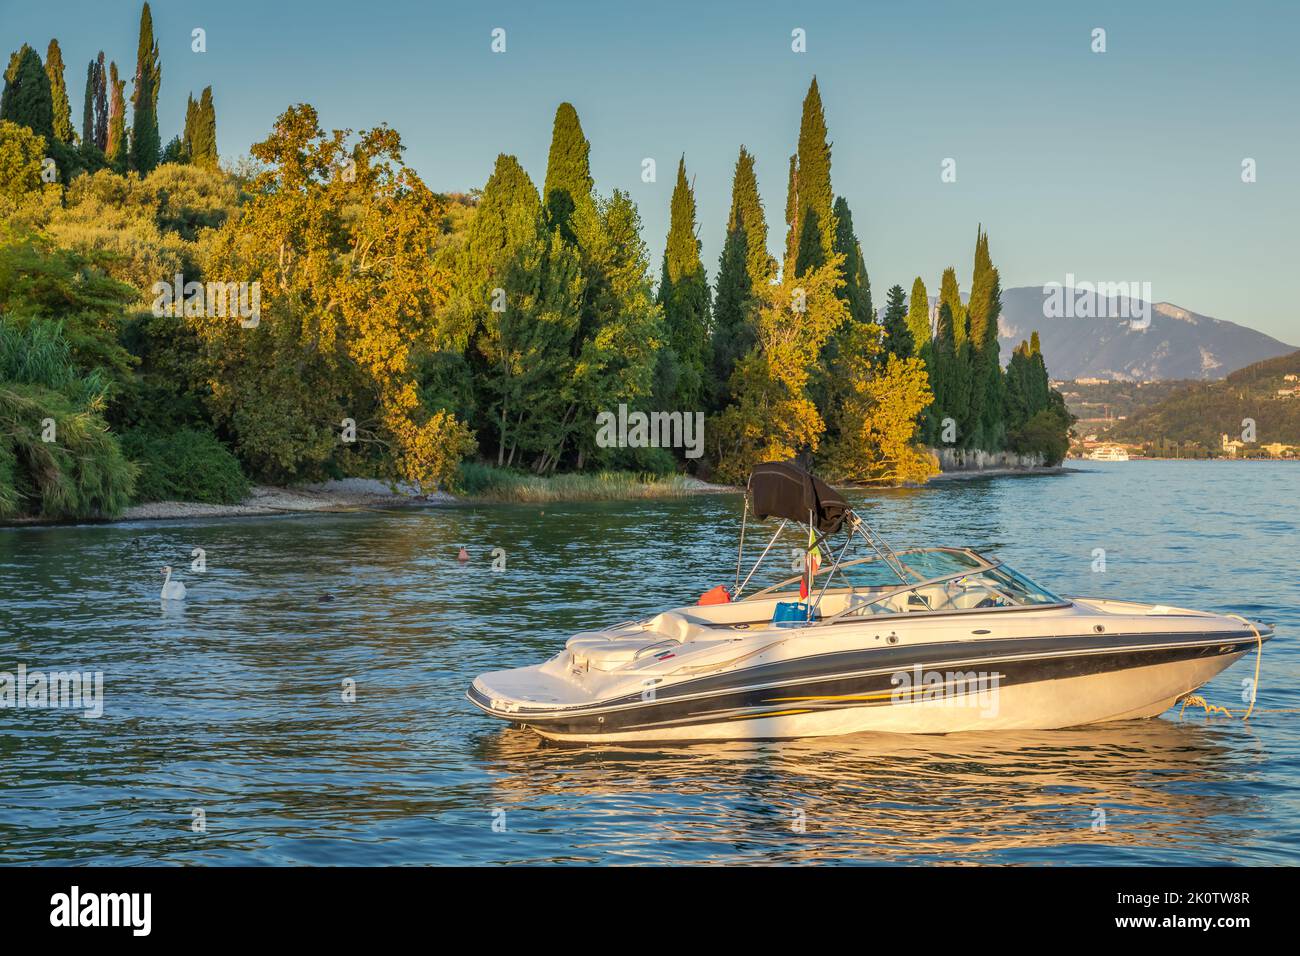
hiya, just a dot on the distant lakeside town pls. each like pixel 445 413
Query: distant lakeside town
pixel 1253 413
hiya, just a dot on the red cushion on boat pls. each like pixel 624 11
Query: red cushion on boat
pixel 718 595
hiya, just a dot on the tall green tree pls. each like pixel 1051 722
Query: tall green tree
pixel 203 140
pixel 747 216
pixel 63 130
pixel 815 216
pixel 146 142
pixel 732 333
pixel 986 380
pixel 618 353
pixel 684 296
pixel 187 132
pixel 520 287
pixel 568 186
pixel 791 218
pixel 950 370
pixel 858 338
pixel 773 417
pixel 898 335
pixel 101 103
pixel 26 98
pixel 918 315
pixel 1036 419
pixel 88 107
pixel 116 146
pixel 743 266
pixel 918 326
pixel 856 291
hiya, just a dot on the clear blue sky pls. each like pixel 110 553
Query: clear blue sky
pixel 1116 166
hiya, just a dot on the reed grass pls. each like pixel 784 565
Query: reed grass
pixel 81 472
pixel 487 483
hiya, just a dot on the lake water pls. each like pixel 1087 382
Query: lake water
pixel 232 704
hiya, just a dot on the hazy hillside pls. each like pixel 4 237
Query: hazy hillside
pixel 1178 344
pixel 1102 405
pixel 1205 412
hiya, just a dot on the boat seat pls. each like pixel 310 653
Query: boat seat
pixel 607 651
pixel 971 598
pixel 677 626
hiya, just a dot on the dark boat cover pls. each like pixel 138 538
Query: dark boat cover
pixel 783 489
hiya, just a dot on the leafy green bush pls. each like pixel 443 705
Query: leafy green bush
pixel 1047 433
pixel 185 465
pixel 651 461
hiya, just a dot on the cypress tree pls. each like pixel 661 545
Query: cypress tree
pixel 977 322
pixel 918 315
pixel 203 142
pixel 684 295
pixel 918 326
pixel 519 352
pixel 1028 392
pixel 791 217
pixel 26 98
pixel 950 371
pixel 898 336
pixel 187 134
pixel 568 171
pixel 858 337
pixel 856 291
pixel 101 104
pixel 116 150
pixel 815 216
pixel 950 296
pixel 88 107
pixel 174 151
pixel 733 334
pixel 743 266
pixel 146 142
pixel 1016 398
pixel 943 355
pixel 985 366
pixel 63 130
pixel 981 307
pixel 747 216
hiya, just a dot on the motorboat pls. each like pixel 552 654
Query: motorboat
pixel 920 640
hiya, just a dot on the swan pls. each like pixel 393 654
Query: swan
pixel 172 590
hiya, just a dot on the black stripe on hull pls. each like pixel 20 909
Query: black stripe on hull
pixel 800 691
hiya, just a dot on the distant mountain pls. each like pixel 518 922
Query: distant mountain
pixel 1178 344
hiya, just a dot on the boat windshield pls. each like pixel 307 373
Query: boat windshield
pixel 996 587
pixel 933 563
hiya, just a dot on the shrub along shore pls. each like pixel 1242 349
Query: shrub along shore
pixel 490 486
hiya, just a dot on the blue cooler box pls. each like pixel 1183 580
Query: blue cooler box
pixel 792 614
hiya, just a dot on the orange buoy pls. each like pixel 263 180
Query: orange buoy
pixel 463 556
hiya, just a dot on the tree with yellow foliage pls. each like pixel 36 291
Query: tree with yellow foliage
pixel 341 241
pixel 876 443
pixel 772 417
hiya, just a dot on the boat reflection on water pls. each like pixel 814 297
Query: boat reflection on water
pixel 1140 787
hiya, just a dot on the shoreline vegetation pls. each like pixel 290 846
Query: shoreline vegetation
pixel 175 327
pixel 340 496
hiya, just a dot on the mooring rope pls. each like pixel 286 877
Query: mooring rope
pixel 1197 700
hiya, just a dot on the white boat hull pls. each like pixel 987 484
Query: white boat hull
pixel 1138 692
